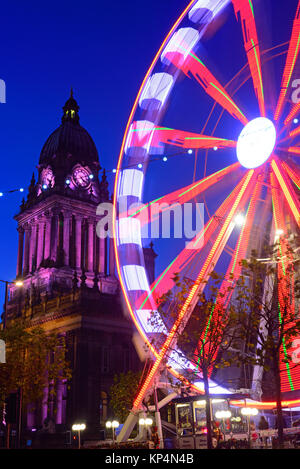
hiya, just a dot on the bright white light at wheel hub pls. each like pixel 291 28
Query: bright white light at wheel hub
pixel 256 142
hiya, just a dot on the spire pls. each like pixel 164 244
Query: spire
pixel 104 186
pixel 71 109
pixel 31 189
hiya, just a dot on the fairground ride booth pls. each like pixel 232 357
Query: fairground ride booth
pixel 235 419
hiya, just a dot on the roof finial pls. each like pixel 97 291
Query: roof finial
pixel 71 109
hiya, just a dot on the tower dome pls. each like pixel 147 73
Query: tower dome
pixel 70 143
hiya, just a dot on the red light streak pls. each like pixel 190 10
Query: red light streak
pixel 292 55
pixel 293 175
pixel 245 9
pixel 295 132
pixel 294 111
pixel 194 66
pixel 266 405
pixel 295 150
pixel 156 136
pixel 180 196
pixel 287 190
pixel 285 283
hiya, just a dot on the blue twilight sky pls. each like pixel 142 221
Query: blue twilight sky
pixel 102 50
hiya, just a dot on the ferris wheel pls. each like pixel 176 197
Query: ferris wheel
pixel 215 121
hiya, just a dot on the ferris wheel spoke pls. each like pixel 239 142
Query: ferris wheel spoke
pixel 295 132
pixel 245 9
pixel 287 189
pixel 148 213
pixel 193 66
pixel 198 286
pixel 184 139
pixel 234 270
pixel 294 150
pixel 165 281
pixel 144 134
pixel 293 174
pixel 293 51
pixel 293 113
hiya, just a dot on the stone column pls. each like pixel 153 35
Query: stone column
pixel 32 249
pixel 40 244
pixel 20 251
pixel 78 223
pixel 26 251
pixel 102 255
pixel 54 237
pixel 66 238
pixel 47 237
pixel 59 403
pixel 90 245
pixel 45 403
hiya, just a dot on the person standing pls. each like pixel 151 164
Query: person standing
pixel 263 425
pixel 154 439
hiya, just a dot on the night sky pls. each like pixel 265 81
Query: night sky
pixel 102 50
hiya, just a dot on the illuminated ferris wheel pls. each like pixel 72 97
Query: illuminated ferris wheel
pixel 233 95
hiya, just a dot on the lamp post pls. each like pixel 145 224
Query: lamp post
pixel 113 425
pixel 223 414
pixel 78 427
pixel 248 412
pixel 18 283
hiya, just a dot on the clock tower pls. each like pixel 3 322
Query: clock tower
pixel 57 223
pixel 68 274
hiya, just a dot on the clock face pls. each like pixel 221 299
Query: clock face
pixel 47 177
pixel 81 177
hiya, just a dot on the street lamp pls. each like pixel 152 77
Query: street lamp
pixel 239 220
pixel 18 283
pixel 113 425
pixel 248 412
pixel 78 427
pixel 147 422
pixel 222 415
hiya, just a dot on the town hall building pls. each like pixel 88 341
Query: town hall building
pixel 69 280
